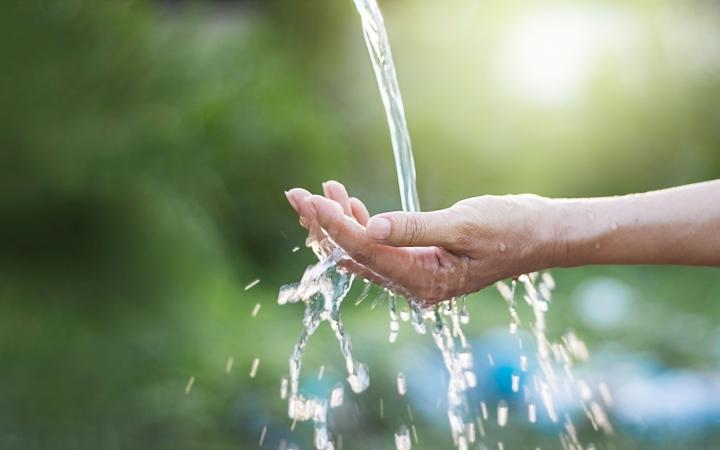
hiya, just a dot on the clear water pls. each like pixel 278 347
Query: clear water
pixel 323 289
pixel 378 46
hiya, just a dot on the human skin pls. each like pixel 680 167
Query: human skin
pixel 432 256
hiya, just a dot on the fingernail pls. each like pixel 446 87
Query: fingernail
pixel 291 200
pixel 379 228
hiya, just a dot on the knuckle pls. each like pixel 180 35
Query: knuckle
pixel 415 230
pixel 464 233
pixel 366 257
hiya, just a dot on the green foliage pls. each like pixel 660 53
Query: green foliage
pixel 145 149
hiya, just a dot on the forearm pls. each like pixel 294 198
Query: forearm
pixel 673 226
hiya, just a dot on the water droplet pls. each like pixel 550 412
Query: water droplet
pixel 401 384
pixel 502 247
pixel 295 249
pixel 483 408
pixel 402 439
pixel 597 246
pixel 252 284
pixel 283 388
pixel 262 436
pixel 255 310
pixel 470 427
pixel 321 372
pixel 532 414
pixel 229 364
pixel 254 368
pixel 515 382
pixel 605 393
pixel 548 280
pixel 414 432
pixel 336 396
pixel 502 413
pixel 189 384
pixel 614 226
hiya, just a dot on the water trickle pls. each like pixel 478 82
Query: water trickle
pixel 378 45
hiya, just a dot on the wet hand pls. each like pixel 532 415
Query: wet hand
pixel 432 256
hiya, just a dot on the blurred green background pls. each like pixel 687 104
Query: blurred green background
pixel 145 148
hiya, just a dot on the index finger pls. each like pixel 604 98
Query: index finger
pixel 389 262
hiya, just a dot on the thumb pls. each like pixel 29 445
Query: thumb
pixel 405 229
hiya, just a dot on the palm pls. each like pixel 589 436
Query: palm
pixel 425 273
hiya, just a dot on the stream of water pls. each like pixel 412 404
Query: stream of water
pixel 323 288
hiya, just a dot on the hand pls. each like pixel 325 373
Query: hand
pixel 432 256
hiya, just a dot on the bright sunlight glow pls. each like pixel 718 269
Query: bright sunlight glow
pixel 549 55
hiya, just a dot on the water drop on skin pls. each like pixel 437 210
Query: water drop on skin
pixel 614 226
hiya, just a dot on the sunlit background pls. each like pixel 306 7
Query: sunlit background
pixel 145 148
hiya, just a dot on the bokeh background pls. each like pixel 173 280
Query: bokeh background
pixel 145 148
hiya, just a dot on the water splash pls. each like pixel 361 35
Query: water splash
pixel 556 378
pixel 323 288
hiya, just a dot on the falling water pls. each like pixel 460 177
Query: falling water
pixel 378 46
pixel 323 288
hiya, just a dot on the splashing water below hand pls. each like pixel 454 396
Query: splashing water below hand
pixel 324 286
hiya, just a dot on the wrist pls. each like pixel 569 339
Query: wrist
pixel 555 241
pixel 545 237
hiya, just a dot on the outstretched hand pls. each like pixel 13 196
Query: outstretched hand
pixel 430 256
